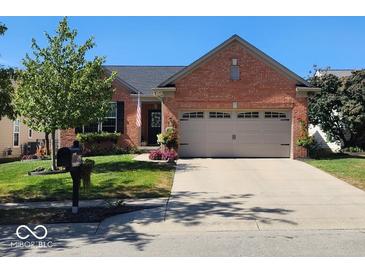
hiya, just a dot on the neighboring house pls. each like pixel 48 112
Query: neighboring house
pixel 17 139
pixel 235 101
pixel 340 73
pixel 316 131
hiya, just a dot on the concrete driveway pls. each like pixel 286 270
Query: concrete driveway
pixel 261 194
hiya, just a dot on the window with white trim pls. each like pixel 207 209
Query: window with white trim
pixel 245 115
pixel 108 124
pixel 16 133
pixel 189 115
pixel 219 115
pixel 275 115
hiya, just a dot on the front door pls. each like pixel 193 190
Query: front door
pixel 154 126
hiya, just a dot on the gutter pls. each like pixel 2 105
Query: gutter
pixel 306 91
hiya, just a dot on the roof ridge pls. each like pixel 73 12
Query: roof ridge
pixel 339 69
pixel 260 54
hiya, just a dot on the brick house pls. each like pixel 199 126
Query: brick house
pixel 235 101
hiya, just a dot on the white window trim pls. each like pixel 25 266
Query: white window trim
pixel 100 124
pixel 17 120
pixel 223 113
pixel 193 115
pixel 100 127
pixel 246 112
pixel 283 114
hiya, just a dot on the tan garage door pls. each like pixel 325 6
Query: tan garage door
pixel 235 134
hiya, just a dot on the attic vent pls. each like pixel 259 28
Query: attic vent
pixel 235 70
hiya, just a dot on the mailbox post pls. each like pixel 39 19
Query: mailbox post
pixel 70 158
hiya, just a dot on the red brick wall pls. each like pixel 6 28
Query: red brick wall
pixel 260 87
pixel 131 132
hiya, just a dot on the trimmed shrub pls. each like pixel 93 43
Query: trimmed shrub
pixel 100 143
pixel 98 137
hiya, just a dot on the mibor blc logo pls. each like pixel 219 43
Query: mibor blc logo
pixel 38 236
pixel 31 237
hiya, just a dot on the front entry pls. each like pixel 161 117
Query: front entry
pixel 154 126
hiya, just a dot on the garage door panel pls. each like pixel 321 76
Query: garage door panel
pixel 261 150
pixel 235 137
pixel 193 150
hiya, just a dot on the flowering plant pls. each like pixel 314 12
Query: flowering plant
pixel 168 138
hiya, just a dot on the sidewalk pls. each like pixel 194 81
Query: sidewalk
pixel 148 202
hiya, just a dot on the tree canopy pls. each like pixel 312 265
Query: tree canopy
pixel 339 109
pixel 6 86
pixel 59 88
pixel 3 28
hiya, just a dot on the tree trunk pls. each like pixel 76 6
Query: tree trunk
pixel 53 155
pixel 47 143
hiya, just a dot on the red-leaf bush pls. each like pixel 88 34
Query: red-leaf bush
pixel 169 155
pixel 155 155
pixel 163 155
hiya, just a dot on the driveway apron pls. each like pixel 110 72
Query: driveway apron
pixel 262 194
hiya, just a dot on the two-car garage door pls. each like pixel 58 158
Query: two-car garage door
pixel 235 134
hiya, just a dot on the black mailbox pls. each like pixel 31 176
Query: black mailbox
pixel 69 157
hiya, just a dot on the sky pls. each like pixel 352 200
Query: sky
pixel 296 42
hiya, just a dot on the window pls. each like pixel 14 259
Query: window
pixel 108 124
pixel 93 127
pixel 247 115
pixel 235 70
pixel 30 133
pixel 275 115
pixel 193 115
pixel 219 115
pixel 16 131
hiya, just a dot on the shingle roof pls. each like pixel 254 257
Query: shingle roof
pixel 144 78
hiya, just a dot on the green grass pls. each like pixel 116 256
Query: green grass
pixel 351 169
pixel 116 176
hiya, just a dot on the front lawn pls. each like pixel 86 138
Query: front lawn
pixel 116 176
pixel 351 169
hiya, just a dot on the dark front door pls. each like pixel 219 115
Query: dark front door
pixel 154 126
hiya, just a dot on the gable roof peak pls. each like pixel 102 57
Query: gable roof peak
pixel 235 37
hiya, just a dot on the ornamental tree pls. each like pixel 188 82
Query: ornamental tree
pixel 60 88
pixel 6 86
pixel 339 109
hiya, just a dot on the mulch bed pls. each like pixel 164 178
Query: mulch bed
pixel 61 215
